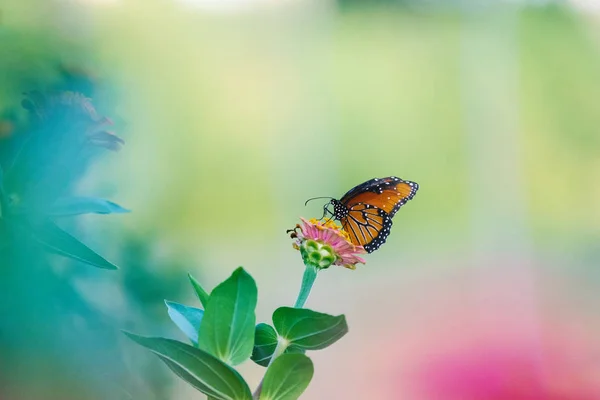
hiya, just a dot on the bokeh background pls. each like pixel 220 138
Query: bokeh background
pixel 236 112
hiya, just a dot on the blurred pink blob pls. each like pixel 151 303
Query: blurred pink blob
pixel 506 333
pixel 489 372
pixel 503 343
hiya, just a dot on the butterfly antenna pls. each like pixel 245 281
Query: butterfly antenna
pixel 315 198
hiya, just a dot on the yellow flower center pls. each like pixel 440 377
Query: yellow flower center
pixel 329 224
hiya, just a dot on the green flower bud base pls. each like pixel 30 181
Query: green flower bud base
pixel 317 254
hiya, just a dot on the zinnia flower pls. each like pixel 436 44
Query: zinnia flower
pixel 323 244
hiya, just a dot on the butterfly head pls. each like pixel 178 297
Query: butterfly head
pixel 326 209
pixel 339 210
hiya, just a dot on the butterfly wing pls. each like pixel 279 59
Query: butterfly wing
pixel 367 226
pixel 387 194
pixel 370 207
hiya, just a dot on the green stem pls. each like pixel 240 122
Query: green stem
pixel 282 344
pixel 308 279
pixel 310 275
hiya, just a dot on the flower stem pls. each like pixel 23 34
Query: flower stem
pixel 308 279
pixel 282 344
pixel 310 275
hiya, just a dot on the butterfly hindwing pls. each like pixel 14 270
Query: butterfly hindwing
pixel 367 226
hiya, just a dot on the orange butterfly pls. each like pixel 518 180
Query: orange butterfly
pixel 366 211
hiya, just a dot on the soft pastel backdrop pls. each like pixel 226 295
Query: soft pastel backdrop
pixel 235 113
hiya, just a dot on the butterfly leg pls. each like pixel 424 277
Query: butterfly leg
pixel 326 211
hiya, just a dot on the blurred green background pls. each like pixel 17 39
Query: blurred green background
pixel 235 113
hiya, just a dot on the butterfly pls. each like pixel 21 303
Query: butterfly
pixel 366 211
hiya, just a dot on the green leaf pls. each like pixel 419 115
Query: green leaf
pixel 186 318
pixel 200 292
pixel 265 342
pixel 198 368
pixel 58 241
pixel 287 377
pixel 307 329
pixel 227 329
pixel 66 206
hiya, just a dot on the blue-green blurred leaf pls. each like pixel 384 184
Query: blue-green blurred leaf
pixel 66 206
pixel 287 378
pixel 227 329
pixel 186 318
pixel 3 202
pixel 198 368
pixel 307 329
pixel 200 292
pixel 58 241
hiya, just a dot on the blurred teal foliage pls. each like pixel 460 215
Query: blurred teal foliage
pixel 55 342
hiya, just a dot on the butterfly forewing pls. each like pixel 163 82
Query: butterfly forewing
pixel 388 194
pixel 369 207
